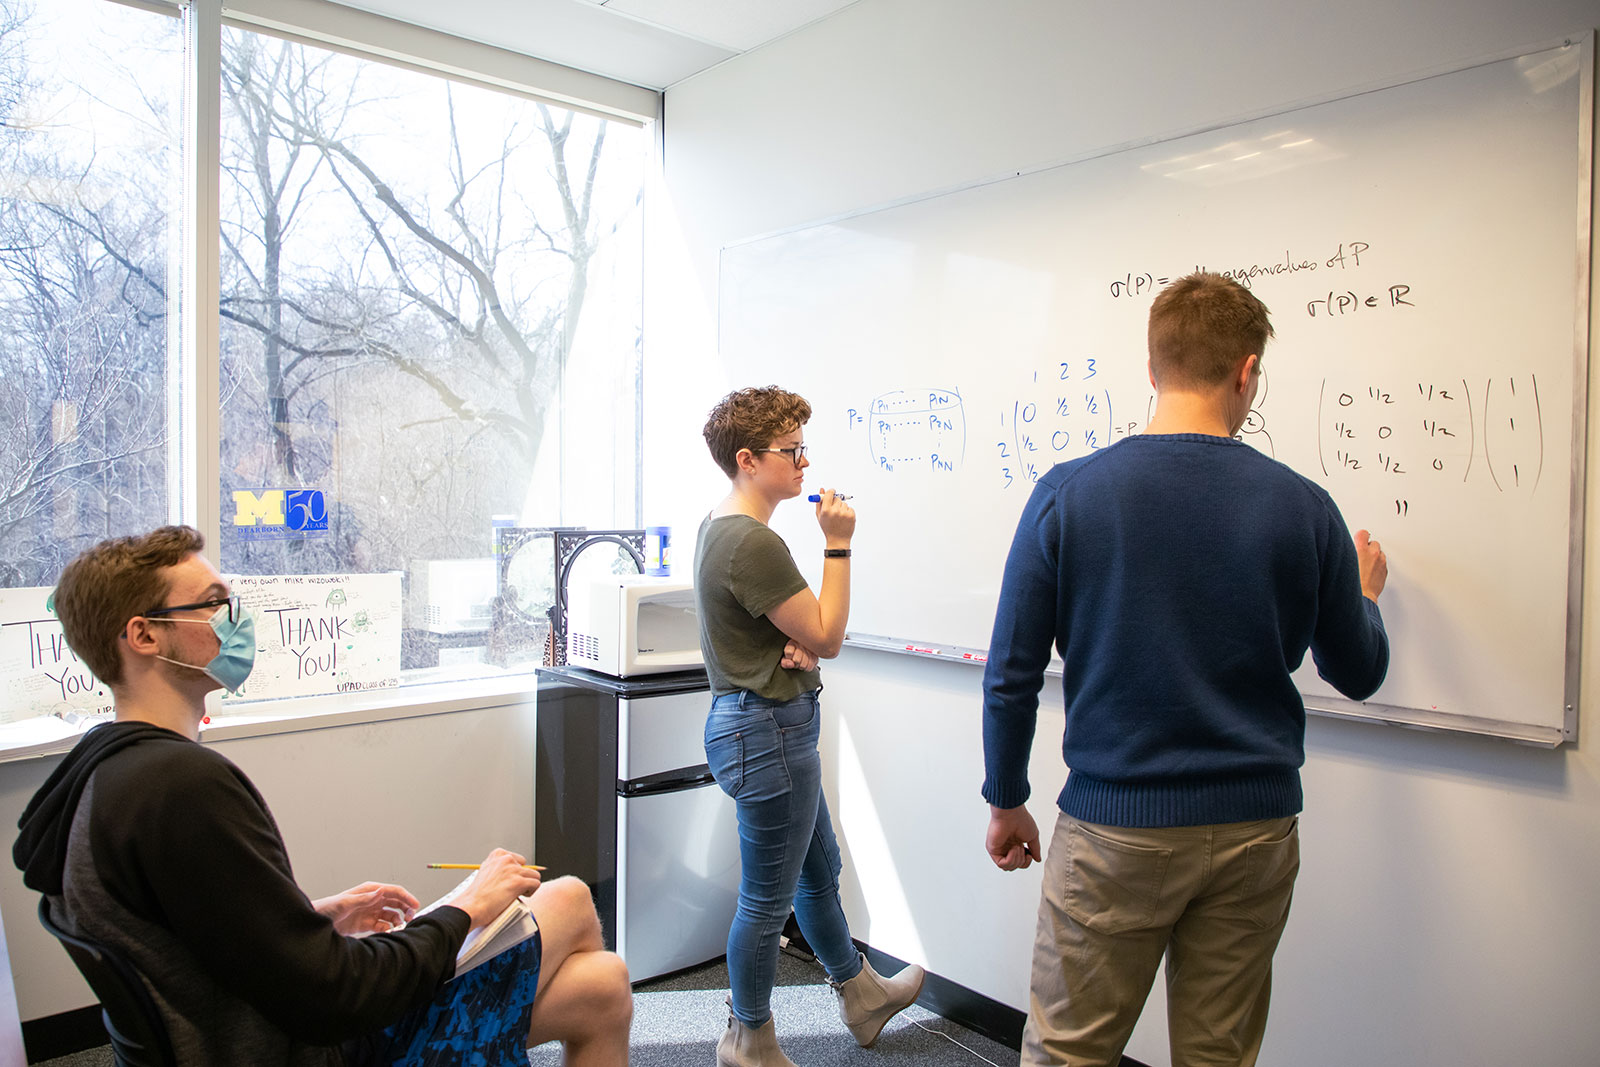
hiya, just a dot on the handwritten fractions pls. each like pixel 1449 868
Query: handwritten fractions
pixel 1396 431
pixel 1068 415
pixel 1403 432
pixel 923 429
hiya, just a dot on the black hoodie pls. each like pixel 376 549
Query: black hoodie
pixel 162 847
pixel 41 848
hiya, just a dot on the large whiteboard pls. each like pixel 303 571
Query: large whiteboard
pixel 1424 250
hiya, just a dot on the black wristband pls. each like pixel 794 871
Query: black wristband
pixel 836 553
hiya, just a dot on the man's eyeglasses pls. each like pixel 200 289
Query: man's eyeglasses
pixel 797 453
pixel 232 603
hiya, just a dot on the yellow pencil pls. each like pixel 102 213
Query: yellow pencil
pixel 472 866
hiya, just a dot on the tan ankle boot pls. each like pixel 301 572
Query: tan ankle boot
pixel 745 1046
pixel 869 1000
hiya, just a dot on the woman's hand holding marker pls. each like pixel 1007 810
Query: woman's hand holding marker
pixel 837 519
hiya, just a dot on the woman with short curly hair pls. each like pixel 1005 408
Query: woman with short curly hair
pixel 762 630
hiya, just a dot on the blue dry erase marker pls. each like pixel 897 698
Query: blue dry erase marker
pixel 816 498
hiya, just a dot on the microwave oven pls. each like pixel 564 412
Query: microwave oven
pixel 630 624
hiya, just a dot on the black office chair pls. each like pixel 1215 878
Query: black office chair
pixel 138 1033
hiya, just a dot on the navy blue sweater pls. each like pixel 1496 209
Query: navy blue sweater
pixel 1182 578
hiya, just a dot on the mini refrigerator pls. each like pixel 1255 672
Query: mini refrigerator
pixel 624 800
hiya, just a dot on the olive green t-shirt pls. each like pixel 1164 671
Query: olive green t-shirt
pixel 742 570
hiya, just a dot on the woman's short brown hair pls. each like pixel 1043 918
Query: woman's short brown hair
pixel 1201 326
pixel 105 586
pixel 752 418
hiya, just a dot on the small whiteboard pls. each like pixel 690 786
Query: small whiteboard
pixel 1424 250
pixel 39 673
pixel 321 633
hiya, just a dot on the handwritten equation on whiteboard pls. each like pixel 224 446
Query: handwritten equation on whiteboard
pixel 1402 431
pixel 1135 284
pixel 914 430
pixel 1412 430
pixel 1067 414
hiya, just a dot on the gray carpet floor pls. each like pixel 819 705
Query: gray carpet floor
pixel 677 1020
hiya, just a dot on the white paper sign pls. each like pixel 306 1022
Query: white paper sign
pixel 39 674
pixel 321 633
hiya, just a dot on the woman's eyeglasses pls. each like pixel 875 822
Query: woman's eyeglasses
pixel 797 453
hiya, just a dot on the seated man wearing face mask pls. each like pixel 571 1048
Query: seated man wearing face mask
pixel 151 842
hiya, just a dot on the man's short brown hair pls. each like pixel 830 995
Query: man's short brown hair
pixel 105 586
pixel 753 419
pixel 1201 326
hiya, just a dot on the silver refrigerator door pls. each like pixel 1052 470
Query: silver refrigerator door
pixel 677 850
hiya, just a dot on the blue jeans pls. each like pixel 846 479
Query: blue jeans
pixel 764 756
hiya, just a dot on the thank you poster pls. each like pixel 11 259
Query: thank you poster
pixel 321 633
pixel 39 674
pixel 315 635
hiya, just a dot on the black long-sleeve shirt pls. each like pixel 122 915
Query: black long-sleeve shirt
pixel 173 856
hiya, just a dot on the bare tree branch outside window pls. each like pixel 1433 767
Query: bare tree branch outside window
pixel 412 257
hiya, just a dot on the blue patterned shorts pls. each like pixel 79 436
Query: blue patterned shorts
pixel 478 1020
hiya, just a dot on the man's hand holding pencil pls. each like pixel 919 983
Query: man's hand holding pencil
pixel 502 877
pixel 470 866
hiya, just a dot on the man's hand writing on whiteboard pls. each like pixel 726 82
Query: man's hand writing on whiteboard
pixel 1374 565
pixel 1013 838
pixel 797 657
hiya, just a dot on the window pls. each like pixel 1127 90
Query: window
pixel 428 311
pixel 430 323
pixel 89 149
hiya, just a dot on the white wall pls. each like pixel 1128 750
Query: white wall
pixel 1446 912
pixel 371 801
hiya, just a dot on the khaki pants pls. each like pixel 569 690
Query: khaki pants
pixel 1213 899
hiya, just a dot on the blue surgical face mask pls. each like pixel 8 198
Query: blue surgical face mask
pixel 236 654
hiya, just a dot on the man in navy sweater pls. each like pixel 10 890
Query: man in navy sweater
pixel 1182 575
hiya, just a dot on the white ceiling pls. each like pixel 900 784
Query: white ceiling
pixel 652 43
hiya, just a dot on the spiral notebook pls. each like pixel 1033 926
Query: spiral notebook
pixel 511 927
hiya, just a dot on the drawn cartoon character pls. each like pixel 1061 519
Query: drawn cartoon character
pixel 335 597
pixel 361 623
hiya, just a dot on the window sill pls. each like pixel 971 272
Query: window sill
pixel 38 738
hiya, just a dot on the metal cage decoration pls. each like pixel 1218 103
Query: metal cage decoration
pixel 571 546
pixel 524 608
